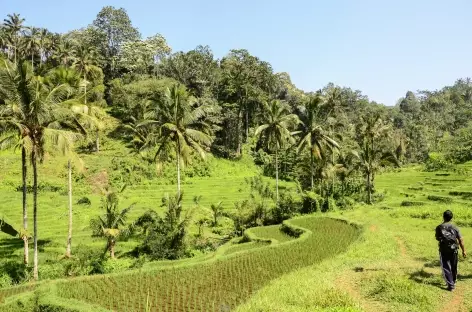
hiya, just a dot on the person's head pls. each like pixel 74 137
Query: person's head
pixel 447 215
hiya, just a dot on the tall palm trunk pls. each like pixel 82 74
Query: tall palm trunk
pixel 311 172
pixel 69 238
pixel 25 210
pixel 111 246
pixel 97 142
pixel 35 213
pixel 276 176
pixel 369 188
pixel 178 169
pixel 247 125
pixel 85 89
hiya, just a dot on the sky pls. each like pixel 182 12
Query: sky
pixel 383 48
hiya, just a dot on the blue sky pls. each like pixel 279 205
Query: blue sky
pixel 382 48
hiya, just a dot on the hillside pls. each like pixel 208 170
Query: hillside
pixel 222 180
pixel 392 267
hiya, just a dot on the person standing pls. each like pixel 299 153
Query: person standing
pixel 449 236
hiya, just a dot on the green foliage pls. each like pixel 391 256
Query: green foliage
pixel 164 238
pixel 437 162
pixel 111 225
pixel 249 269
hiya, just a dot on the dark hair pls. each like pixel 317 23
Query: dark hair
pixel 447 215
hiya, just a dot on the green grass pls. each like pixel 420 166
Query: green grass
pixel 394 266
pixel 219 283
pixel 271 232
pixel 225 182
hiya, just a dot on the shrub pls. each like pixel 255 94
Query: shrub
pixel 84 201
pixel 311 202
pixel 287 208
pixel 84 262
pixel 345 203
pixel 17 272
pixel 5 280
pixel 164 238
pixel 436 162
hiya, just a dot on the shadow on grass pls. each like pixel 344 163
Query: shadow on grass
pixel 9 246
pixel 461 277
pixel 426 278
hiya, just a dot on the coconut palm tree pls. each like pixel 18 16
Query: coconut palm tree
pixel 276 131
pixel 43 118
pixel 313 135
pixel 85 63
pixel 370 131
pixel 14 25
pixel 179 124
pixel 110 225
pixel 31 44
pixel 64 52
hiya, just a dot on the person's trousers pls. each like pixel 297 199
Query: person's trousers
pixel 449 268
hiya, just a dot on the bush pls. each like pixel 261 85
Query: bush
pixel 164 238
pixel 85 261
pixel 17 272
pixel 436 162
pixel 5 280
pixel 84 201
pixel 287 208
pixel 311 202
pixel 345 203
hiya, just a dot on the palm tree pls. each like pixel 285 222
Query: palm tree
pixel 313 136
pixel 14 25
pixel 40 113
pixel 85 63
pixel 64 52
pixel 180 125
pixel 110 224
pixel 216 210
pixel 370 131
pixel 31 44
pixel 275 131
pixel 43 41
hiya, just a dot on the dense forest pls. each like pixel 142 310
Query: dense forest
pixel 64 93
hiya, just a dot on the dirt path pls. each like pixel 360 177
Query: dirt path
pixel 348 283
pixel 456 304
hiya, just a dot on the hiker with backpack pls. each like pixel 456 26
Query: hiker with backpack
pixel 448 236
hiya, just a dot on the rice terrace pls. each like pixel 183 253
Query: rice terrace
pixel 137 176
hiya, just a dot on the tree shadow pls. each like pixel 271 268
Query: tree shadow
pixel 9 246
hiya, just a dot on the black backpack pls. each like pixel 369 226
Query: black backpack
pixel 447 238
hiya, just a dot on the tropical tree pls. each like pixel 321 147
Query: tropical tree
pixel 313 136
pixel 31 44
pixel 14 25
pixel 179 124
pixel 65 52
pixel 85 63
pixel 276 131
pixel 111 225
pixel 370 132
pixel 217 210
pixel 43 118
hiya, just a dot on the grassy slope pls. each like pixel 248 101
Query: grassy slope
pixel 394 267
pixel 225 183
